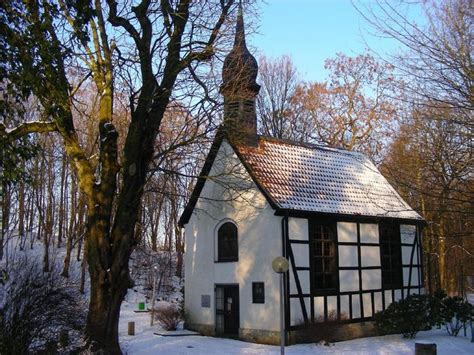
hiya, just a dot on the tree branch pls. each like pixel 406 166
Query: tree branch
pixel 28 127
pixel 208 52
pixel 119 21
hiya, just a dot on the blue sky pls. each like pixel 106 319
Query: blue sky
pixel 311 31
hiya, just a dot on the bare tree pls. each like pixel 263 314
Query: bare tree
pixel 430 164
pixel 353 108
pixel 435 59
pixel 433 150
pixel 279 80
pixel 166 46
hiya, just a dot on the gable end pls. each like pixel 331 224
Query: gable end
pixel 209 162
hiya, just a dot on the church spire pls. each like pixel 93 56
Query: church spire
pixel 239 28
pixel 239 86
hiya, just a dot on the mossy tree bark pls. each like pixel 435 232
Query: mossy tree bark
pixel 112 208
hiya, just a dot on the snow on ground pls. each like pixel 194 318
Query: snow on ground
pixel 145 342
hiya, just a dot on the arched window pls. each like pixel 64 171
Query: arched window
pixel 227 245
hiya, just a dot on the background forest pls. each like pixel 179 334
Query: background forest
pixel 411 113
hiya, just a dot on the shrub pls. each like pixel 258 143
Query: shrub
pixel 332 317
pixel 36 307
pixel 416 312
pixel 455 313
pixel 407 316
pixel 436 307
pixel 168 316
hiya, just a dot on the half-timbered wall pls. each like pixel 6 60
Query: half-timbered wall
pixel 360 291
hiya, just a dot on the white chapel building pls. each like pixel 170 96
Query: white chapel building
pixel 352 243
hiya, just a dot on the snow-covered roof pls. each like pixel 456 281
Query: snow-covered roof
pixel 313 178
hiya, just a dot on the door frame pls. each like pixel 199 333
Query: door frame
pixel 224 286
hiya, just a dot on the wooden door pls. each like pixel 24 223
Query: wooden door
pixel 227 310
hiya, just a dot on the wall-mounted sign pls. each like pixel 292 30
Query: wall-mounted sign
pixel 206 301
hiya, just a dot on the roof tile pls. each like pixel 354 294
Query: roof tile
pixel 321 179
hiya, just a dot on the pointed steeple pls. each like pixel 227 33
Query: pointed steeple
pixel 239 86
pixel 239 28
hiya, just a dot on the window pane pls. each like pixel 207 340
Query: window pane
pixel 390 250
pixel 258 292
pixel 329 265
pixel 319 281
pixel 318 249
pixel 327 233
pixel 323 257
pixel 318 264
pixel 328 281
pixel 227 243
pixel 327 249
pixel 317 232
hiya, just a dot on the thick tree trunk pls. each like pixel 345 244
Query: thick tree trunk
pixel 104 313
pixel 103 318
pixel 110 281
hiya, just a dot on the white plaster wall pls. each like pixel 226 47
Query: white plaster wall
pixel 348 255
pixel 356 306
pixel 332 307
pixel 304 282
pixel 259 240
pixel 319 308
pixel 301 254
pixel 296 314
pixel 347 232
pixel 369 233
pixel 398 295
pixel 298 228
pixel 348 280
pixel 371 279
pixel 407 233
pixel 378 301
pixel 414 276
pixel 406 255
pixel 345 311
pixel 370 256
pixel 367 299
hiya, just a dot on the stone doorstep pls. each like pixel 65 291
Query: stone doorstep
pixel 177 333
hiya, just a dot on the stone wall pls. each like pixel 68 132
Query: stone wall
pixel 203 329
pixel 331 332
pixel 260 336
